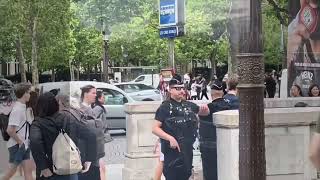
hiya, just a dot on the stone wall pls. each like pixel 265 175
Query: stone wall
pixel 287 138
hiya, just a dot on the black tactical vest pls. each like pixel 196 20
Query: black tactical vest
pixel 182 123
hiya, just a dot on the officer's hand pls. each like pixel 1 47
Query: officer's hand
pixel 204 110
pixel 174 144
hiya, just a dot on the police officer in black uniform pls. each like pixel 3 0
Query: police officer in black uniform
pixel 207 132
pixel 176 125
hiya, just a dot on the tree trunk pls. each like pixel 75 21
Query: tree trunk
pixel 34 55
pixel 78 73
pixel 53 75
pixel 21 59
pixel 232 28
pixel 71 70
pixel 213 63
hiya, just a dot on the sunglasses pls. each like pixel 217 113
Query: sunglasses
pixel 178 88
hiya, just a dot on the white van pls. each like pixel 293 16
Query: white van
pixel 148 79
pixel 115 98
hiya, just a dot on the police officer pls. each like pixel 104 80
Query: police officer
pixel 207 132
pixel 176 125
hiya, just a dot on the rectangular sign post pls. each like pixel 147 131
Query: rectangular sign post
pixel 171 23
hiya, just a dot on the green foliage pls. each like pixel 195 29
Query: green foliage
pixel 71 31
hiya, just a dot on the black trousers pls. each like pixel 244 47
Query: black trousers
pixel 92 174
pixel 178 166
pixel 209 162
pixel 204 94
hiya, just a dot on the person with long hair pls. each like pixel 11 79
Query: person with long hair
pixel 296 91
pixel 45 129
pixel 314 90
pixel 101 113
pixel 98 109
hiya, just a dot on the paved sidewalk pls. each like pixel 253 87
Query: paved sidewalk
pixel 114 172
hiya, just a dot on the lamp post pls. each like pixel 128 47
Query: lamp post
pixel 106 56
pixel 252 162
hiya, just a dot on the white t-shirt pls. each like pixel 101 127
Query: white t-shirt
pixel 194 89
pixel 18 117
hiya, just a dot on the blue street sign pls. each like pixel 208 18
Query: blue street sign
pixel 169 32
pixel 168 15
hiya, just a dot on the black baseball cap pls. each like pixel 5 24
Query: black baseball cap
pixel 176 80
pixel 217 85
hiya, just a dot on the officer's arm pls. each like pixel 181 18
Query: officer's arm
pixel 156 130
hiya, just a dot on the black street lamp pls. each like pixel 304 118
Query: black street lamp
pixel 105 63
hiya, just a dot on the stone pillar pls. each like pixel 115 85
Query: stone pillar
pixel 140 161
pixel 287 139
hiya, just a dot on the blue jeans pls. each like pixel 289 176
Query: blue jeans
pixel 18 154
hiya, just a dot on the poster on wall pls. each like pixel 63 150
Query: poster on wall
pixel 303 50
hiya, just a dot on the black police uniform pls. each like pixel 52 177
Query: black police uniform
pixel 180 121
pixel 208 139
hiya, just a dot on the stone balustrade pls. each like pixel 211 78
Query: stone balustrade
pixel 287 138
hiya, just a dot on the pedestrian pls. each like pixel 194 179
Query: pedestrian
pixel 193 93
pixel 224 83
pixel 295 91
pixel 44 131
pixel 18 130
pixel 198 87
pixel 207 131
pixel 100 112
pixel 271 85
pixel 204 89
pixel 88 97
pixel 314 90
pixel 176 125
pixel 232 95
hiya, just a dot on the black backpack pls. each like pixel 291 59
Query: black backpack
pixel 4 120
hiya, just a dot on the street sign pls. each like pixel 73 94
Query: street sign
pixel 172 32
pixel 168 13
pixel 169 32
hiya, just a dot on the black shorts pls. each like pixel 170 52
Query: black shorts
pixel 17 155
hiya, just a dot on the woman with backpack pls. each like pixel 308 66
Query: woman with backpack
pixel 44 133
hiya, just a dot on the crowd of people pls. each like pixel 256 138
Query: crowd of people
pixel 36 123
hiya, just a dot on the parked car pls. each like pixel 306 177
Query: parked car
pixel 115 98
pixel 148 79
pixel 140 92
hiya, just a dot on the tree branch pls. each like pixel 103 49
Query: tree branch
pixel 278 11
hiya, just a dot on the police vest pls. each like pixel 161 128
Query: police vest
pixel 182 123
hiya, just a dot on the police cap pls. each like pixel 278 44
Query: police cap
pixel 217 85
pixel 175 80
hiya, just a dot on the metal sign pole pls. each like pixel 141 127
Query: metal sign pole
pixel 171 45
